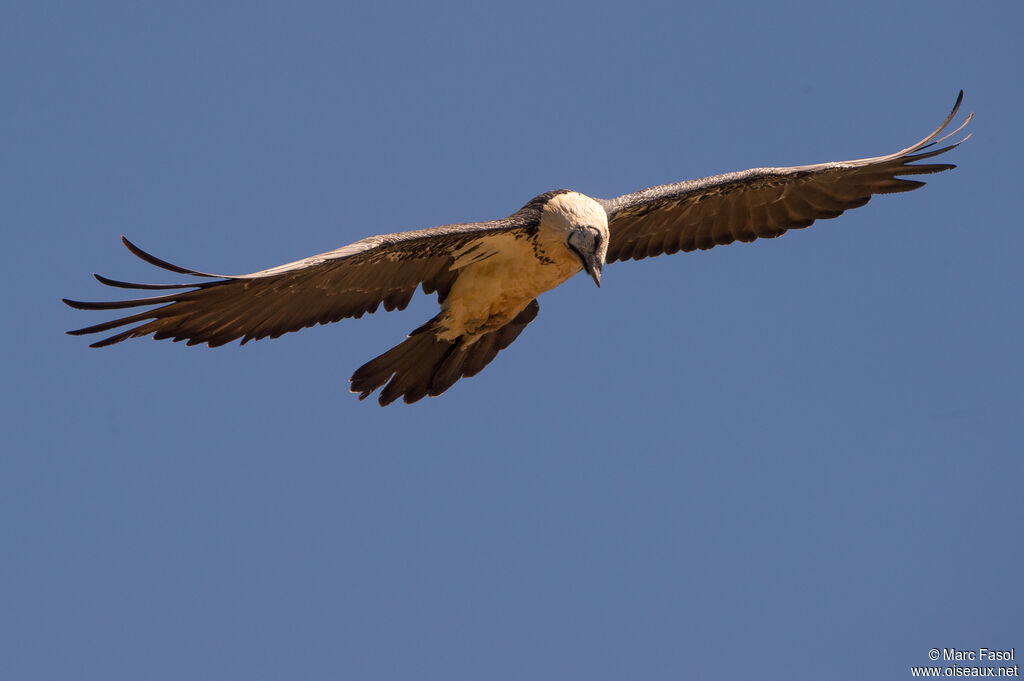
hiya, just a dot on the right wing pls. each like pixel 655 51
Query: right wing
pixel 348 282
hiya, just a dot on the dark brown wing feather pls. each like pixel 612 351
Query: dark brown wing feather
pixel 761 202
pixel 348 282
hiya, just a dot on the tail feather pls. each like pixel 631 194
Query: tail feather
pixel 424 365
pixel 413 371
pixel 450 369
pixel 480 355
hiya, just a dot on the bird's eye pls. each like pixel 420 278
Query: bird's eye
pixel 574 249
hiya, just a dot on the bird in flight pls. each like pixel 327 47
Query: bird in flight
pixel 488 275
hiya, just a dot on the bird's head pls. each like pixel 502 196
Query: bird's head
pixel 583 224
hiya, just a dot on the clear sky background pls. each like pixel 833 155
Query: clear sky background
pixel 800 458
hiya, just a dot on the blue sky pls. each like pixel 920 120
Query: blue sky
pixel 799 458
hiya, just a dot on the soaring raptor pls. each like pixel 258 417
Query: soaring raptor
pixel 487 275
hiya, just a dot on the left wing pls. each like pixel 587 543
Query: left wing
pixel 761 202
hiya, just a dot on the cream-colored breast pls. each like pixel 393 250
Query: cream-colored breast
pixel 490 292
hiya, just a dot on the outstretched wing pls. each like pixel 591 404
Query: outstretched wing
pixel 348 282
pixel 761 202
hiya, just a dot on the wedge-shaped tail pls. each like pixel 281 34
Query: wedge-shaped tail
pixel 423 364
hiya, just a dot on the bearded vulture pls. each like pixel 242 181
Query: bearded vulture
pixel 488 275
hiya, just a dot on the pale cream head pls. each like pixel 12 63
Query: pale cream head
pixel 583 224
pixel 565 212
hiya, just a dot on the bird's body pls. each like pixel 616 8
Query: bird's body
pixel 489 293
pixel 488 275
pixel 499 275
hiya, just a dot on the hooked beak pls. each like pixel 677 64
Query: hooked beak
pixel 593 267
